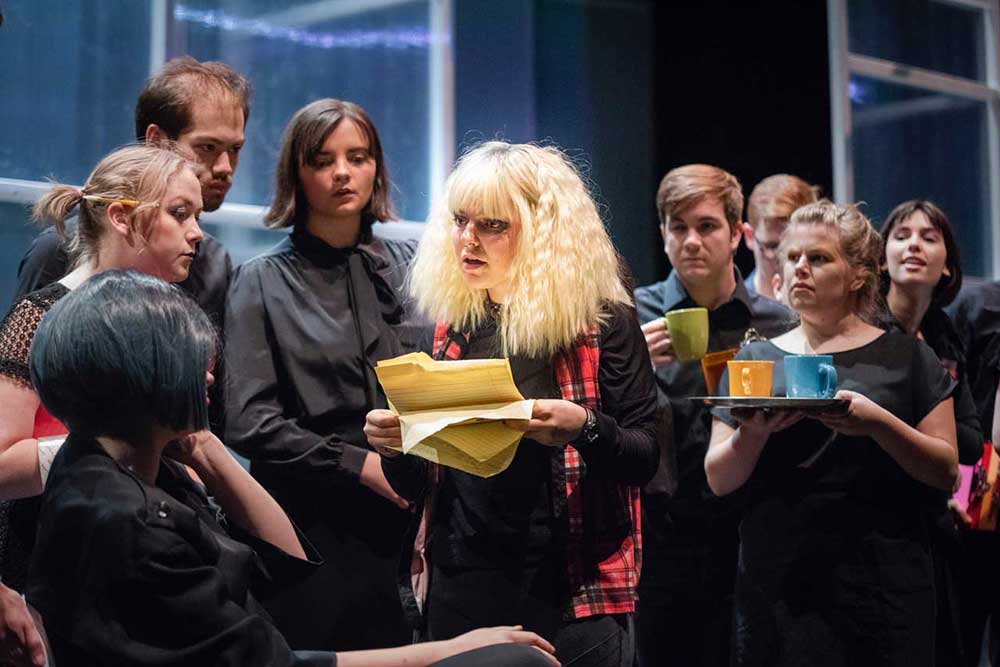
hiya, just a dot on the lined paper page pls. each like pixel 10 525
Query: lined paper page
pixel 415 382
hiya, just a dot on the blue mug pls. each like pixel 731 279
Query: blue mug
pixel 810 376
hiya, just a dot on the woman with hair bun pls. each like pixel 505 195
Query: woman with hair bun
pixel 137 210
pixel 835 565
pixel 515 262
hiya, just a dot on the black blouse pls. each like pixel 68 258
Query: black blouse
pixel 131 574
pixel 306 324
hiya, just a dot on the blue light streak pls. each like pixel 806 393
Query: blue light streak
pixel 402 38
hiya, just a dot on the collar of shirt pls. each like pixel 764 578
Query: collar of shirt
pixel 675 295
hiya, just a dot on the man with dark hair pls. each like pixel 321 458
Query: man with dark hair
pixel 689 536
pixel 203 108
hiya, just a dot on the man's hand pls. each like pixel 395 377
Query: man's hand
pixel 661 348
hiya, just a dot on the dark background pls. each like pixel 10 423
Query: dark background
pixel 634 88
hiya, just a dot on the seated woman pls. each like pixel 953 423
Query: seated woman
pixel 516 263
pixel 834 565
pixel 139 210
pixel 133 565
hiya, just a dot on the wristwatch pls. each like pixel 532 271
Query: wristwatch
pixel 590 431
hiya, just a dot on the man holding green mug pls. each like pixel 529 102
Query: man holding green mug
pixel 689 535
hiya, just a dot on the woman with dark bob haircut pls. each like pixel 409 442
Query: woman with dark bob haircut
pixel 306 323
pixel 921 274
pixel 133 565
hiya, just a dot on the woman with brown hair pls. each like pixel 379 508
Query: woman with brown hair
pixel 306 323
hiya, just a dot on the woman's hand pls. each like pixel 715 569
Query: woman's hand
pixel 658 342
pixel 503 634
pixel 373 477
pixel 958 515
pixel 553 422
pixel 20 642
pixel 861 415
pixel 383 432
pixel 760 424
pixel 196 451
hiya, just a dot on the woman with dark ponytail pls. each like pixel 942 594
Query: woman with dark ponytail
pixel 138 210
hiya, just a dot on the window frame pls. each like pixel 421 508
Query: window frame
pixel 441 130
pixel 844 64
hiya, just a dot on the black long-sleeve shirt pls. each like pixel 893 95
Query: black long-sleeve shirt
pixel 305 325
pixel 128 573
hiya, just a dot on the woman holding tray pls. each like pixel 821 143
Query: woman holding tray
pixel 834 566
pixel 306 323
pixel 515 262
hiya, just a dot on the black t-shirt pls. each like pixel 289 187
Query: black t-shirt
pixel 834 553
pixel 898 372
pixel 976 314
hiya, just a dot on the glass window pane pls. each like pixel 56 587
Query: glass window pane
pixel 70 78
pixel 931 34
pixel 244 242
pixel 16 232
pixel 295 53
pixel 902 136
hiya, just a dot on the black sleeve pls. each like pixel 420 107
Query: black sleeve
pixel 407 475
pixel 208 281
pixel 930 382
pixel 44 263
pixel 165 601
pixel 257 425
pixel 626 447
pixel 968 428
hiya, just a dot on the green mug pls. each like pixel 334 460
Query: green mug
pixel 688 328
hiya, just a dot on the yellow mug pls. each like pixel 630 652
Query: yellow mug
pixel 750 378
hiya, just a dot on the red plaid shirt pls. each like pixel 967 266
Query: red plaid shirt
pixel 604 544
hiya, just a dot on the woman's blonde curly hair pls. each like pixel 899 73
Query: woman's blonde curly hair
pixel 566 271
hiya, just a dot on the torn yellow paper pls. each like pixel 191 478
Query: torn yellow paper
pixel 452 412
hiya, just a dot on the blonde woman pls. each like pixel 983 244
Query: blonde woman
pixel 137 210
pixel 516 263
pixel 835 565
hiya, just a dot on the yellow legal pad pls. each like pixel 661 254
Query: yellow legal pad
pixel 452 412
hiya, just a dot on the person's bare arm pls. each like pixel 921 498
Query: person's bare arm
pixel 421 655
pixel 927 453
pixel 239 495
pixel 19 474
pixel 20 642
pixel 733 452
